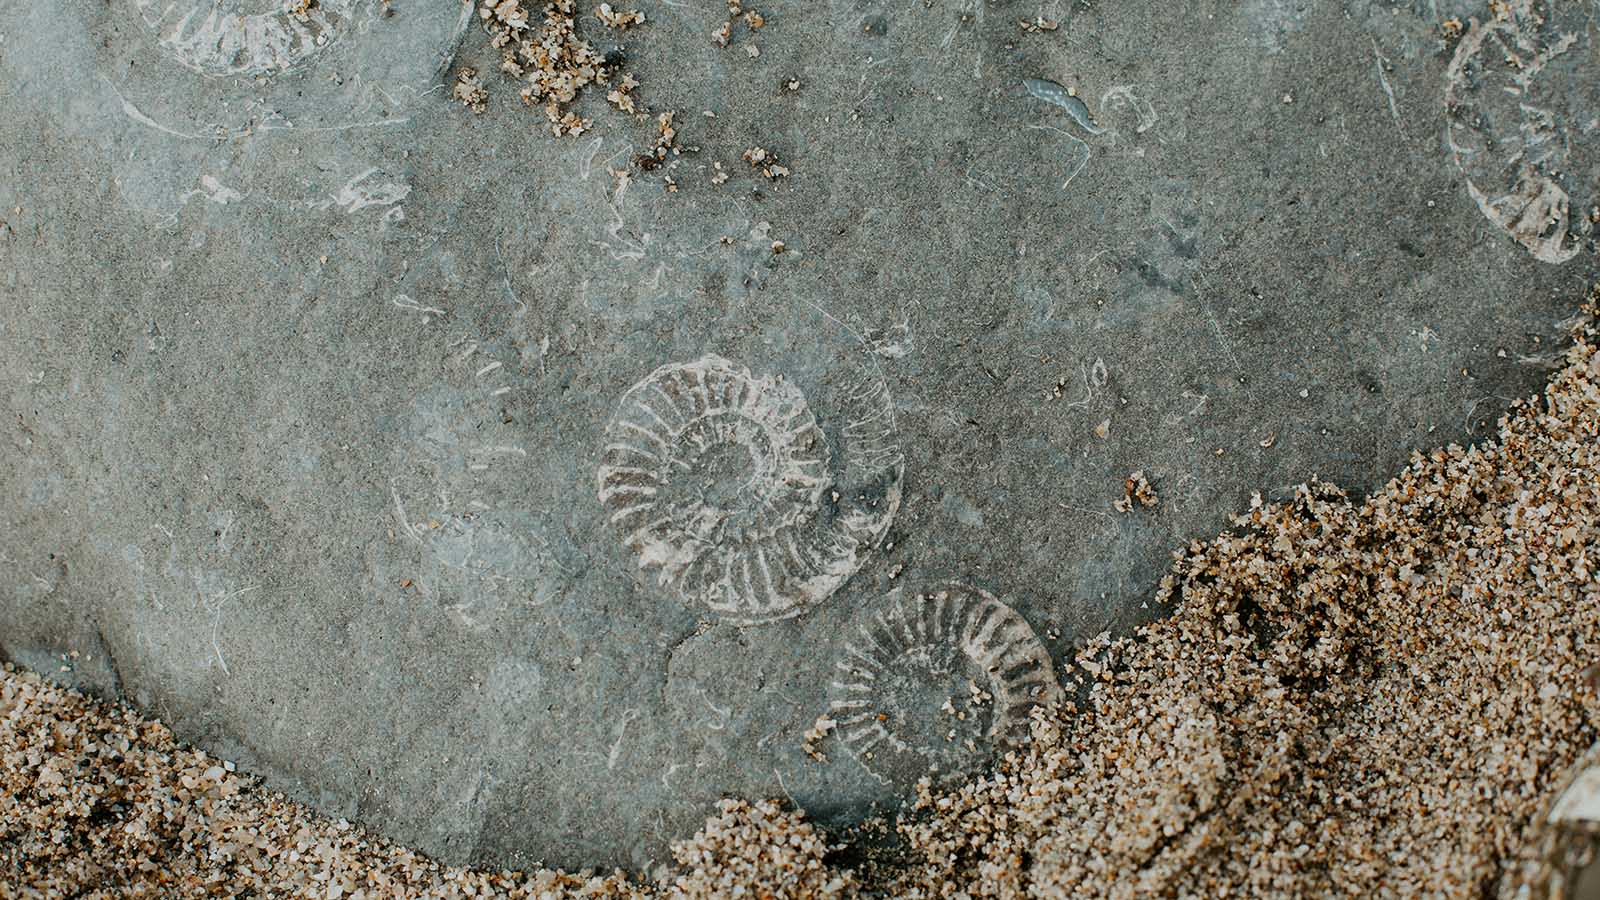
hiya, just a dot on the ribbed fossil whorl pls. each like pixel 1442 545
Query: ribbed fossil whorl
pixel 236 37
pixel 937 682
pixel 723 484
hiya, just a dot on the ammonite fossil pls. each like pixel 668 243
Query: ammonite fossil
pixel 235 37
pixel 726 487
pixel 1520 102
pixel 936 682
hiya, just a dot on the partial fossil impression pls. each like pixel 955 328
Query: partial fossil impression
pixel 1520 100
pixel 935 682
pixel 228 39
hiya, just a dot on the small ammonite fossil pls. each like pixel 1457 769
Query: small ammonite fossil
pixel 227 37
pixel 1520 98
pixel 936 682
pixel 726 487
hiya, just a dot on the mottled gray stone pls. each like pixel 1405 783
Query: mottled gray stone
pixel 307 378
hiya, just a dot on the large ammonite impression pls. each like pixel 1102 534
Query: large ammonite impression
pixel 726 487
pixel 226 37
pixel 1520 101
pixel 935 683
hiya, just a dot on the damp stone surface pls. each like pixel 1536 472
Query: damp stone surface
pixel 309 374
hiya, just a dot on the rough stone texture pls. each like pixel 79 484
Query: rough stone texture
pixel 264 477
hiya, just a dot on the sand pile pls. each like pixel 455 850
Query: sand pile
pixel 1376 698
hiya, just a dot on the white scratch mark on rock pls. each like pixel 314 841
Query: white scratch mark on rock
pixel 1216 326
pixel 724 714
pixel 671 770
pixel 214 39
pixel 404 301
pixel 400 513
pixel 1079 142
pixel 628 715
pixel 586 162
pixel 137 115
pixel 1383 81
pixel 215 606
pixel 505 271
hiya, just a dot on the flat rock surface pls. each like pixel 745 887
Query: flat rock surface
pixel 413 459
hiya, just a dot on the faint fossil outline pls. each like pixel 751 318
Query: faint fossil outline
pixel 791 538
pixel 478 558
pixel 1535 210
pixel 225 42
pixel 209 38
pixel 1078 142
pixel 955 620
pixel 1122 97
pixel 1379 62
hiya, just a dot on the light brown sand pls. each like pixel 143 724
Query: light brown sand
pixel 1373 698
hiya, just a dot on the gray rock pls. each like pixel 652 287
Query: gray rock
pixel 313 381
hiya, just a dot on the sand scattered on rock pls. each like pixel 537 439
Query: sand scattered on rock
pixel 1375 698
pixel 550 58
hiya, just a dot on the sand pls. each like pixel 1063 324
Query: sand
pixel 1374 697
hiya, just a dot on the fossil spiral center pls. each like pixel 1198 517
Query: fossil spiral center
pixel 725 477
pixel 926 694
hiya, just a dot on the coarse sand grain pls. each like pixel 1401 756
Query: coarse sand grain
pixel 1354 698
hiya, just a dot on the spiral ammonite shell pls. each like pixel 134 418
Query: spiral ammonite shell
pixel 724 485
pixel 218 37
pixel 903 685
